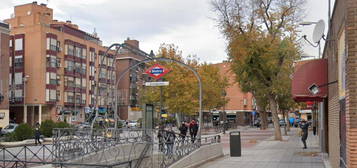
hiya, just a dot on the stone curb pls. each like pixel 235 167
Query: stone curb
pixel 22 143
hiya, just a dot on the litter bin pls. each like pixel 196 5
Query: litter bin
pixel 235 144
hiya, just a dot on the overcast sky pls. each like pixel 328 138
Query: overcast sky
pixel 185 23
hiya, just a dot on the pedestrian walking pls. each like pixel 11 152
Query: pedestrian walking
pixel 170 141
pixel 37 134
pixel 160 136
pixel 193 130
pixel 304 132
pixel 183 131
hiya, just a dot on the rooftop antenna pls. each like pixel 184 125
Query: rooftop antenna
pixel 95 33
pixel 318 31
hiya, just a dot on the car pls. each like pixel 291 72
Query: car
pixel 132 124
pixel 282 122
pixel 9 129
pixel 257 123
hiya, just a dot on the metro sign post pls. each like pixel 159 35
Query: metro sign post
pixel 157 71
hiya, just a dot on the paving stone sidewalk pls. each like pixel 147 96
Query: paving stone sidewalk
pixel 275 154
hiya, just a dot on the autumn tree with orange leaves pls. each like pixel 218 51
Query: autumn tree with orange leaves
pixel 262 45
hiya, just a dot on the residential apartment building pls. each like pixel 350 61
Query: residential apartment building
pixel 240 105
pixel 4 74
pixel 131 82
pixel 54 68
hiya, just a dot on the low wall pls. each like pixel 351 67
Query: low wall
pixel 22 143
pixel 202 154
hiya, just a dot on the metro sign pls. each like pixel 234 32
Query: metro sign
pixel 157 71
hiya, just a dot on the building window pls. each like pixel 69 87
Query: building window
pixel 51 78
pixel 103 73
pixel 51 95
pixel 69 81
pixel 69 97
pixel 52 44
pixel 78 82
pixel 18 61
pixel 69 49
pixel 18 93
pixel 84 69
pixel 52 61
pixel 84 83
pixel 92 56
pixel 19 44
pixel 244 101
pixel 18 78
pixel 91 70
pixel 342 57
pixel 69 65
pixel 10 61
pixel 84 53
pixel 78 98
pixel 78 52
pixel 10 79
pixel 10 43
pixel 78 67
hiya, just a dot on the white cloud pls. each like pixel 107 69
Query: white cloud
pixel 185 23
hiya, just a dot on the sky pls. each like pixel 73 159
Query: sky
pixel 188 24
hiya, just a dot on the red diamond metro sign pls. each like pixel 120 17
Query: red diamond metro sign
pixel 157 71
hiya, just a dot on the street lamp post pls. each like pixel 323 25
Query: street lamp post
pixel 25 78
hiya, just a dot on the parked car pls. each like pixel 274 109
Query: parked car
pixel 83 126
pixel 257 123
pixel 132 124
pixel 9 129
pixel 282 122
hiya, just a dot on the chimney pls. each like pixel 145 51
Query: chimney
pixel 42 4
pixel 34 2
pixel 68 21
pixel 134 43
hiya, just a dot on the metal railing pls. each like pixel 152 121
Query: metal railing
pixel 106 148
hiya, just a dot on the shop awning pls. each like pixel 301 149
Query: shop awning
pixel 306 74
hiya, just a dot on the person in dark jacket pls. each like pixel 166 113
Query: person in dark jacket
pixel 37 134
pixel 183 131
pixel 304 128
pixel 193 130
pixel 161 135
pixel 170 140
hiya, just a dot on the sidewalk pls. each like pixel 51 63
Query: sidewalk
pixel 274 154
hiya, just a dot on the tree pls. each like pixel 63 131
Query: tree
pixel 181 96
pixel 262 46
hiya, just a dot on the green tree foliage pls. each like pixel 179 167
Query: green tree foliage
pixel 262 45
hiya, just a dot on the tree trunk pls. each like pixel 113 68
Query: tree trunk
pixel 263 115
pixel 264 120
pixel 288 121
pixel 286 124
pixel 274 111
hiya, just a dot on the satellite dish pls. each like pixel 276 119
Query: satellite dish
pixel 318 31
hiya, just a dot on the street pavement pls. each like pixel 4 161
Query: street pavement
pixel 259 150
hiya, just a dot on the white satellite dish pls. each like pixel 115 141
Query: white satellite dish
pixel 318 31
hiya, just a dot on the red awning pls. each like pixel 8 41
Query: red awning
pixel 306 74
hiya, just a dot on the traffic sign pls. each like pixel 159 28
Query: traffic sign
pixel 157 71
pixel 166 83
